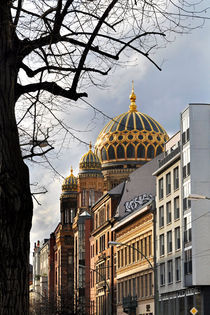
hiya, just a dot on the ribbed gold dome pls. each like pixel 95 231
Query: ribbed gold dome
pixel 131 137
pixel 90 161
pixel 70 183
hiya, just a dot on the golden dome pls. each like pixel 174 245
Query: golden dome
pixel 130 138
pixel 90 161
pixel 70 183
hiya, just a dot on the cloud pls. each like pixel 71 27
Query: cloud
pixel 162 95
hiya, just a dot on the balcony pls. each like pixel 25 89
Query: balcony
pixel 169 156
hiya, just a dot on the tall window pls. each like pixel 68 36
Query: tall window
pixel 188 261
pixel 160 188
pixel 150 245
pixel 161 216
pixel 176 208
pixel 168 212
pixel 150 284
pixel 107 212
pixel 168 183
pixel 145 247
pixel 142 248
pixel 176 178
pixel 178 268
pixel 125 256
pixel 96 247
pixel 137 247
pixel 177 238
pixel 170 271
pixel 169 242
pixel 162 274
pixel 102 243
pixel 162 250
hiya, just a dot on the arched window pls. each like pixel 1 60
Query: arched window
pixel 141 151
pixel 159 150
pixel 150 152
pixel 120 152
pixel 111 153
pixel 130 151
pixel 103 154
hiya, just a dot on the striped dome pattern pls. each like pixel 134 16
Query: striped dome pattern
pixel 90 161
pixel 131 136
pixel 70 183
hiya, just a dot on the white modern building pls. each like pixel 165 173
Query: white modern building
pixel 182 225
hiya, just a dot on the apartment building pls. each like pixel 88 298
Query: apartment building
pixel 182 234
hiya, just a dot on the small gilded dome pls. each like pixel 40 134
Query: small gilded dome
pixel 130 138
pixel 90 161
pixel 70 183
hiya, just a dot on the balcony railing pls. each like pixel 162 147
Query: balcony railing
pixel 169 156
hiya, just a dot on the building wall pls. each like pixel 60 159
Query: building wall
pixel 139 182
pixel 171 225
pixel 198 145
pixel 102 259
pixel 134 274
pixel 44 267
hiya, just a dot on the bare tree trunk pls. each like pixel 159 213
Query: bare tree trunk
pixel 15 197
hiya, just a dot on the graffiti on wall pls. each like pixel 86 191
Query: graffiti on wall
pixel 137 202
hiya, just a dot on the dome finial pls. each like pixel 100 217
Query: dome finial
pixel 90 145
pixel 133 98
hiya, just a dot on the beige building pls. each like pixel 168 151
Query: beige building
pixel 135 277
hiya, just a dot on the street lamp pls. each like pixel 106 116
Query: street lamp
pixel 153 267
pixel 197 197
pixel 113 243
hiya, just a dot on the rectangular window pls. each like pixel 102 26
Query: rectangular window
pixel 125 256
pixel 168 212
pixel 150 246
pixel 129 255
pixel 176 208
pixel 102 243
pixel 134 286
pixel 168 183
pixel 162 250
pixel 169 242
pixel 142 249
pixel 176 178
pixel 162 274
pixel 145 246
pixel 178 268
pixel 170 271
pixel 150 284
pixel 160 188
pixel 134 251
pixel 129 282
pixel 138 286
pixel 188 262
pixel 137 247
pixel 161 216
pixel 177 238
pixel 121 257
pixel 118 259
pixel 96 247
pixel 108 271
pixel 146 285
pixel 142 286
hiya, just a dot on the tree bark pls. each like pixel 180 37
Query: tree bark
pixel 15 196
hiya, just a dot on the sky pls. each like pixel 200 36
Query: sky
pixel 163 95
